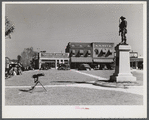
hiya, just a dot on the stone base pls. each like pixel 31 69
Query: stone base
pixel 123 78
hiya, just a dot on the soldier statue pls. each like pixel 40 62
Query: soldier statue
pixel 123 30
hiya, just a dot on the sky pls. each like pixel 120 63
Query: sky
pixel 50 27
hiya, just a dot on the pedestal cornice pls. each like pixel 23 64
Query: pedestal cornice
pixel 123 47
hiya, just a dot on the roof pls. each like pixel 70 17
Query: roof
pixel 79 44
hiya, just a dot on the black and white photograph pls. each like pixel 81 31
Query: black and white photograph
pixel 74 59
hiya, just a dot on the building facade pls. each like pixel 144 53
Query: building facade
pixel 53 59
pixel 103 54
pixel 79 53
pixel 135 61
pixel 99 55
pixel 94 54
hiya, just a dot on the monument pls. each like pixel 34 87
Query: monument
pixel 122 68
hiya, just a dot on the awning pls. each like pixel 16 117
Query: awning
pixel 79 59
pixel 103 60
pixel 109 52
pixel 48 61
pixel 136 59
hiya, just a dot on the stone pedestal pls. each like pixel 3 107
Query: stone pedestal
pixel 122 69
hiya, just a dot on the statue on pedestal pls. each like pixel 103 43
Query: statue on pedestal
pixel 123 30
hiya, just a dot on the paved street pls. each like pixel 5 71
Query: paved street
pixel 71 87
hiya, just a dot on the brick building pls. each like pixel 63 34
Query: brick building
pixel 103 54
pixel 94 54
pixel 79 53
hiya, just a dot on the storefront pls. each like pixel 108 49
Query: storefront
pixel 136 63
pixel 103 55
pixel 79 53
pixel 53 59
pixel 94 54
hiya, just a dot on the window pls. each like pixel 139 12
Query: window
pixel 89 53
pixel 81 52
pixel 73 53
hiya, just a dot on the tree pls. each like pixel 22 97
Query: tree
pixel 27 56
pixel 9 27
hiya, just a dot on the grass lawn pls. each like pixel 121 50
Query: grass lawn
pixel 107 73
pixel 67 95
pixel 71 96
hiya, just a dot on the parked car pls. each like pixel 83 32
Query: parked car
pixel 95 66
pixel 84 67
pixel 63 67
pixel 45 66
pixel 14 69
